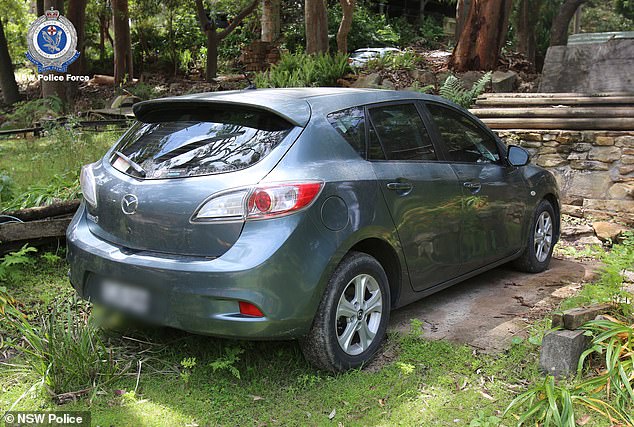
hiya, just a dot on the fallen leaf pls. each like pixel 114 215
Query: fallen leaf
pixel 583 420
pixel 332 414
pixel 256 398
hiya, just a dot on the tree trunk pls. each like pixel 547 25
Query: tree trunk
pixel 316 21
pixel 212 56
pixel 214 38
pixel 76 13
pixel 270 20
pixel 54 88
pixel 483 36
pixel 462 10
pixel 122 43
pixel 39 8
pixel 346 23
pixel 559 29
pixel 527 21
pixel 421 11
pixel 8 85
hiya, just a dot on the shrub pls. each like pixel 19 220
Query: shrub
pixel 27 113
pixel 301 70
pixel 431 33
pixel 453 89
pixel 406 60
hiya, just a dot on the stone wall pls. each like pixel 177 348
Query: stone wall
pixel 594 169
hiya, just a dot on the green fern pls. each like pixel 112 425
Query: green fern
pixel 453 89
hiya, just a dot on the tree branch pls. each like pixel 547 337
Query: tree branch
pixel 205 23
pixel 238 19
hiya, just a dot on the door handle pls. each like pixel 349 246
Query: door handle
pixel 402 187
pixel 474 187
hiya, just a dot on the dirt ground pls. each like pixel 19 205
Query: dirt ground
pixel 488 310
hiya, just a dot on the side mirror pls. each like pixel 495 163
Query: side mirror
pixel 517 156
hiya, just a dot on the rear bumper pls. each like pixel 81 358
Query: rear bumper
pixel 267 267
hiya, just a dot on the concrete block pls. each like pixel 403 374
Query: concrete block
pixel 576 317
pixel 561 351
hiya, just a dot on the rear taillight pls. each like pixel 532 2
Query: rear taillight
pixel 88 184
pixel 248 309
pixel 265 201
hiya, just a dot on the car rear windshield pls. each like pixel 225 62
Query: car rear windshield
pixel 170 144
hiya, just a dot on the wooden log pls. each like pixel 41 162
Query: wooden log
pixel 551 95
pixel 578 112
pixel 32 230
pixel 581 100
pixel 626 124
pixel 41 212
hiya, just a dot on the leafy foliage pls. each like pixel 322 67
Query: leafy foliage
pixel 7 187
pixel 407 60
pixel 228 361
pixel 301 70
pixel 10 262
pixel 454 90
pixel 27 113
pixel 61 187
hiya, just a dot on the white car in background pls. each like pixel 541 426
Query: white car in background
pixel 360 57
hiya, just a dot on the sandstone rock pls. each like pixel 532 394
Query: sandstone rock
pixel 549 142
pixel 604 140
pixel 627 160
pixel 563 139
pixel 547 150
pixel 589 165
pixel 621 190
pixel 370 80
pixel 532 136
pixel 575 231
pixel 628 151
pixel 564 149
pixel 624 170
pixel 608 231
pixel 530 144
pixel 550 161
pixel 388 84
pixel 504 81
pixel 592 185
pixel 578 156
pixel 624 141
pixel 582 146
pixel 589 241
pixel 605 154
pixel 588 136
pixel 561 351
pixel 626 206
pixel 549 137
pixel 576 211
pixel 470 77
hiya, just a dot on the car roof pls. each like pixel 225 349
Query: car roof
pixel 293 104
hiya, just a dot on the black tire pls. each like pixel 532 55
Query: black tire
pixel 321 347
pixel 531 260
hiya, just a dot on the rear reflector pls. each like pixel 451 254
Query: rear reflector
pixel 249 309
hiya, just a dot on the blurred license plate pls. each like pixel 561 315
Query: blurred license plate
pixel 125 297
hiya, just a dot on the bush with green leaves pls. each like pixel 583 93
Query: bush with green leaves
pixel 454 90
pixel 406 60
pixel 60 188
pixel 302 70
pixel 7 187
pixel 430 33
pixel 27 113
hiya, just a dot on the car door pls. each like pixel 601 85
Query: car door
pixel 422 193
pixel 493 192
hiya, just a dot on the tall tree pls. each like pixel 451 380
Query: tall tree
pixel 54 88
pixel 483 36
pixel 76 13
pixel 462 10
pixel 214 37
pixel 347 6
pixel 270 20
pixel 8 85
pixel 122 41
pixel 316 21
pixel 559 29
pixel 526 23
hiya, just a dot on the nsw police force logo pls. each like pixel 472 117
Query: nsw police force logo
pixel 52 40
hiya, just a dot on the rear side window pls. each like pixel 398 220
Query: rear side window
pixel 187 143
pixel 350 123
pixel 402 133
pixel 465 140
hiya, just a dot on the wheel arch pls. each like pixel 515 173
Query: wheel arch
pixel 386 255
pixel 552 199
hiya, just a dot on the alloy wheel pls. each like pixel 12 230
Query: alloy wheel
pixel 543 236
pixel 358 314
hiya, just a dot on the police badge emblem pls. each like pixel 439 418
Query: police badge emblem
pixel 52 40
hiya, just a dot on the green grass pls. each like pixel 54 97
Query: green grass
pixel 35 164
pixel 418 382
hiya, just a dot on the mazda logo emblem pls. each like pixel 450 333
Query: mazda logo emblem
pixel 129 204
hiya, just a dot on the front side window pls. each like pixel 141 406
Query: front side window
pixel 402 133
pixel 464 140
pixel 350 124
pixel 192 143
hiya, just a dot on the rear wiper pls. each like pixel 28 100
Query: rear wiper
pixel 195 144
pixel 137 168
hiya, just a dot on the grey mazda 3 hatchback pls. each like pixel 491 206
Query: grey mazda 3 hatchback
pixel 303 214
